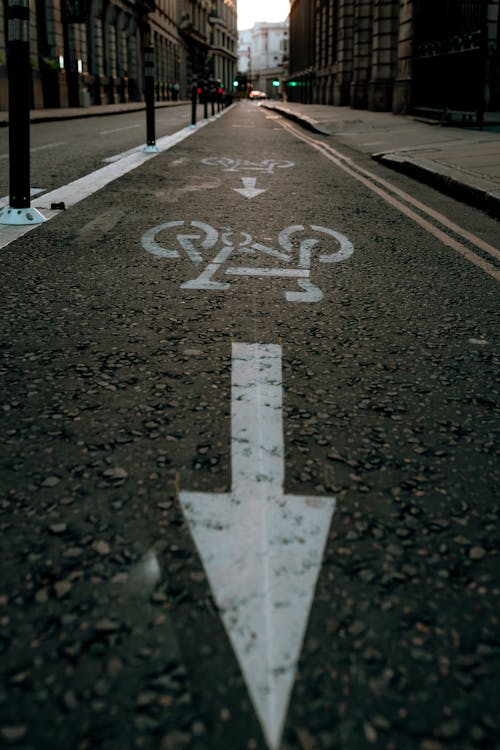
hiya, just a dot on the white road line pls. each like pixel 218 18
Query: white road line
pixel 164 143
pixel 76 191
pixel 281 272
pixel 117 157
pixel 262 549
pixel 39 148
pixel 118 130
pixel 85 186
pixel 47 145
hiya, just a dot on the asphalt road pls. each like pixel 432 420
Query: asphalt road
pixel 249 482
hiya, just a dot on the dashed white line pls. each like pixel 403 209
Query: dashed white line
pixel 39 148
pixel 46 146
pixel 118 130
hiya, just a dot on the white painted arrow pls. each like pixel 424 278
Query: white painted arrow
pixel 262 549
pixel 249 190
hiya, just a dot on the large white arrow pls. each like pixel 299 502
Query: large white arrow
pixel 249 190
pixel 262 549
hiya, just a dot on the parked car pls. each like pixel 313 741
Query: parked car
pixel 257 94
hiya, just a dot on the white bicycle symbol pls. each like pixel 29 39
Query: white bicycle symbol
pixel 293 241
pixel 238 165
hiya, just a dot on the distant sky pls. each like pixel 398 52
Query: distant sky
pixel 251 11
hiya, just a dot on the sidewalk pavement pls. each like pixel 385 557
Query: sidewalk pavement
pixel 462 162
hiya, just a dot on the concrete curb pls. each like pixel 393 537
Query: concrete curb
pixel 306 122
pixel 445 180
pixel 76 113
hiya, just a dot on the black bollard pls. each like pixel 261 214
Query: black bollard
pixel 194 100
pixel 149 92
pixel 19 74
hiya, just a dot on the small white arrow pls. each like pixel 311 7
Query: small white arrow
pixel 249 190
pixel 262 550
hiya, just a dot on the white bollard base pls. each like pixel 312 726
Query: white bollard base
pixel 21 216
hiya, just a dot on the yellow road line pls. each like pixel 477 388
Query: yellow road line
pixel 369 179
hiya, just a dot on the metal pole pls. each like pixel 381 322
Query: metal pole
pixel 149 92
pixel 483 51
pixel 19 72
pixel 194 97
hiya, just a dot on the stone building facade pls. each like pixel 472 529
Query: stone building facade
pixel 269 56
pixel 437 56
pixel 91 51
pixel 244 51
pixel 263 56
pixel 223 42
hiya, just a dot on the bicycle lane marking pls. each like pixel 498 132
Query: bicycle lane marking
pixel 262 550
pixel 249 189
pixel 295 255
pixel 244 536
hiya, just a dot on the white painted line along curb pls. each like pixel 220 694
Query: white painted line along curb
pixel 77 190
pixel 89 184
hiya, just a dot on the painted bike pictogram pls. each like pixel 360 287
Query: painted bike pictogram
pixel 232 253
pixel 244 165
